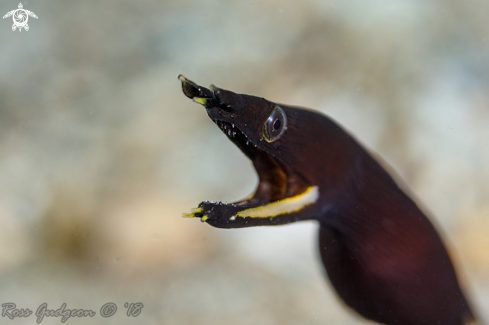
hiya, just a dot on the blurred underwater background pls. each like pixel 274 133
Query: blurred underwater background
pixel 100 152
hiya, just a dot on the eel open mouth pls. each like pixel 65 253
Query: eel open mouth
pixel 280 191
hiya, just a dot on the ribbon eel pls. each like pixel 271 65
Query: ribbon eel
pixel 381 253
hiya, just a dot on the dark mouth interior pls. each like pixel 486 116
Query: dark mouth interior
pixel 276 181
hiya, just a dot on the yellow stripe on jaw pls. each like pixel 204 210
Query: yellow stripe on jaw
pixel 201 101
pixel 288 205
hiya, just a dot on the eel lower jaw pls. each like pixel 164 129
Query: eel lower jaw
pixel 249 213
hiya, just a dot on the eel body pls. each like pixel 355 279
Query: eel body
pixel 381 253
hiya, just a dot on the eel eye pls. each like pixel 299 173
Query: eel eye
pixel 275 125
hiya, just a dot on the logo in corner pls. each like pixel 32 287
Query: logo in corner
pixel 20 17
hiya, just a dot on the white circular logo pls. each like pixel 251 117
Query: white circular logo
pixel 20 17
